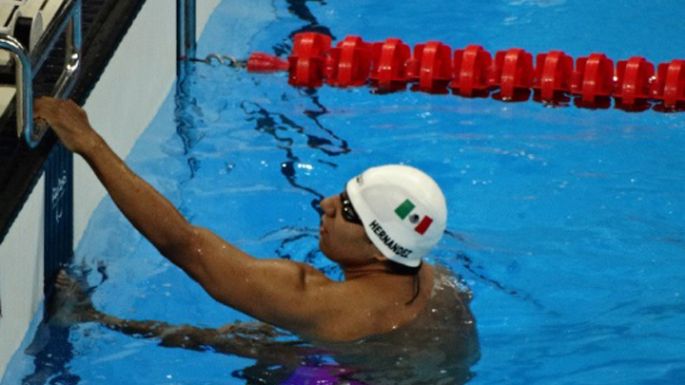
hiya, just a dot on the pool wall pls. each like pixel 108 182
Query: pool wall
pixel 123 103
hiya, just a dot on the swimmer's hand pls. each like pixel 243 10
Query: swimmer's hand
pixel 68 120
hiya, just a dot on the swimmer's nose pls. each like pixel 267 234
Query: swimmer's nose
pixel 328 206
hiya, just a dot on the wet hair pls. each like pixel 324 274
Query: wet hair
pixel 400 269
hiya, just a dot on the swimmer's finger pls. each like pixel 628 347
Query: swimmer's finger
pixel 44 108
pixel 38 110
pixel 41 124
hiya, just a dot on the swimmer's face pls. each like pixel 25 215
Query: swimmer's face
pixel 341 235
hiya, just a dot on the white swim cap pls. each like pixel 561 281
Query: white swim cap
pixel 402 209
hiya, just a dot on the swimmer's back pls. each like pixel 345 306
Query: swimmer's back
pixel 437 347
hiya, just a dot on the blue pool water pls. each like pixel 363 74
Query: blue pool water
pixel 566 223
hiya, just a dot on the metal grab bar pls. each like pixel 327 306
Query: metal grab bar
pixel 23 82
pixel 186 43
pixel 68 18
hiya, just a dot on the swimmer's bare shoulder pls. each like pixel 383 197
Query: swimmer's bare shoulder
pixel 296 296
pixel 375 305
pixel 437 346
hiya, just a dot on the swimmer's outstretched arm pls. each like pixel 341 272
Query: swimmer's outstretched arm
pixel 72 304
pixel 153 215
pixel 237 339
pixel 287 294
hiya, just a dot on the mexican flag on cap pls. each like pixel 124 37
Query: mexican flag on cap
pixel 406 210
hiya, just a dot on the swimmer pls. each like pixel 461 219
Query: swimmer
pixel 394 318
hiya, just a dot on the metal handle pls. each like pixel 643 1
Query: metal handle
pixel 186 43
pixel 24 86
pixel 68 17
pixel 73 53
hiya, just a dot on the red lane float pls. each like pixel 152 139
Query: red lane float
pixel 633 83
pixel 553 76
pixel 513 74
pixel 472 72
pixel 431 67
pixel 669 87
pixel 593 81
pixel 388 70
pixel 349 63
pixel 307 59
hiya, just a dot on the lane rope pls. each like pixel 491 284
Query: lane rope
pixel 511 75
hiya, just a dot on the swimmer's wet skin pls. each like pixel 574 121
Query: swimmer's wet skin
pixel 415 325
pixel 257 340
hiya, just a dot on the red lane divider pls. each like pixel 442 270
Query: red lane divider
pixel 388 70
pixel 593 81
pixel 349 63
pixel 434 68
pixel 632 83
pixel 431 66
pixel 263 62
pixel 553 76
pixel 669 87
pixel 307 59
pixel 471 71
pixel 513 74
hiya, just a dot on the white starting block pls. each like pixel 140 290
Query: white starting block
pixel 25 20
pixel 29 30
